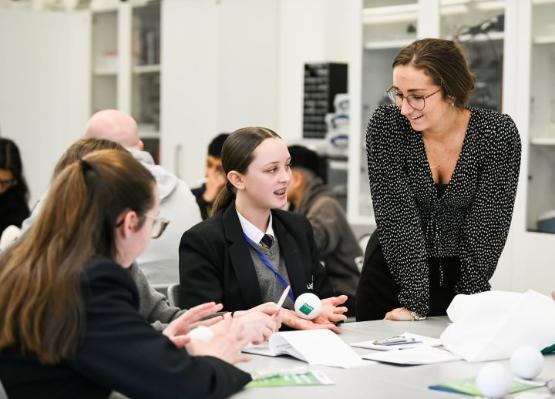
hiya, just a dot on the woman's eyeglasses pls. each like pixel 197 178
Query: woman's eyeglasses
pixel 416 102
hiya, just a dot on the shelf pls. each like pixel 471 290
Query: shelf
pixel 104 6
pixel 482 37
pixel 544 39
pixel 149 135
pixel 454 7
pixel 148 131
pixel 138 69
pixel 388 44
pixel 548 140
pixel 390 14
pixel 105 72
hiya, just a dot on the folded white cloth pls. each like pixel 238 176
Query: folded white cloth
pixel 491 325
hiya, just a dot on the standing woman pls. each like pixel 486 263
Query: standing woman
pixel 250 250
pixel 443 179
pixel 14 193
pixel 69 324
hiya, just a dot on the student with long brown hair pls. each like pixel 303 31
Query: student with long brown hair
pixel 250 250
pixel 69 325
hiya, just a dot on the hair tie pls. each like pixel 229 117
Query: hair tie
pixel 85 165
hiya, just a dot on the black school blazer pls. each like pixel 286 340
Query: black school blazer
pixel 215 262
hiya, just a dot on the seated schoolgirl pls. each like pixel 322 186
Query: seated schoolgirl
pixel 69 325
pixel 251 250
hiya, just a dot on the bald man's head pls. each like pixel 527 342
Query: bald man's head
pixel 114 125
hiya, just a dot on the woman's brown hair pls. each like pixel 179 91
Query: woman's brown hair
pixel 237 155
pixel 445 63
pixel 41 303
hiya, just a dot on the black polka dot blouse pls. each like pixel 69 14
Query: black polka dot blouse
pixel 470 221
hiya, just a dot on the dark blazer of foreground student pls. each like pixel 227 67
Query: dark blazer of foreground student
pixel 137 360
pixel 215 263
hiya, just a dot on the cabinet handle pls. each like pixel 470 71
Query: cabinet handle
pixel 177 160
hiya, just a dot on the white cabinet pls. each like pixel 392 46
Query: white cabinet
pixel 126 64
pixel 541 158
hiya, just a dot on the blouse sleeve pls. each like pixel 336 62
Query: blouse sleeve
pixel 487 223
pixel 121 351
pixel 399 227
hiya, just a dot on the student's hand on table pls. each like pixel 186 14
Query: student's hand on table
pixel 331 311
pixel 553 295
pixel 177 329
pixel 399 314
pixel 259 322
pixel 226 344
pixel 291 319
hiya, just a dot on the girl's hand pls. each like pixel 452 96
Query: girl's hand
pixel 331 312
pixel 179 327
pixel 226 344
pixel 291 319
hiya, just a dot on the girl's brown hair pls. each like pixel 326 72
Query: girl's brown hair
pixel 445 63
pixel 41 303
pixel 82 147
pixel 237 155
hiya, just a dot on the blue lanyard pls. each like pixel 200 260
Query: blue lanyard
pixel 266 262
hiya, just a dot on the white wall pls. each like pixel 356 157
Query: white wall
pixel 189 84
pixel 219 73
pixel 44 81
pixel 248 78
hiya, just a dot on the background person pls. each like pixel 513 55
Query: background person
pixel 160 261
pixel 334 238
pixel 14 193
pixel 214 175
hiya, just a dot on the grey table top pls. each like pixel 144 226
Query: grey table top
pixel 377 380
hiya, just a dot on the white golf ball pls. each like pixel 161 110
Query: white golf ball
pixel 201 333
pixel 308 306
pixel 494 380
pixel 527 362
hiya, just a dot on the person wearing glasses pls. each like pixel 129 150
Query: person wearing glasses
pixel 70 321
pixel 14 193
pixel 443 179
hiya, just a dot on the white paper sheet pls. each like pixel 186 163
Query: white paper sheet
pixel 415 356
